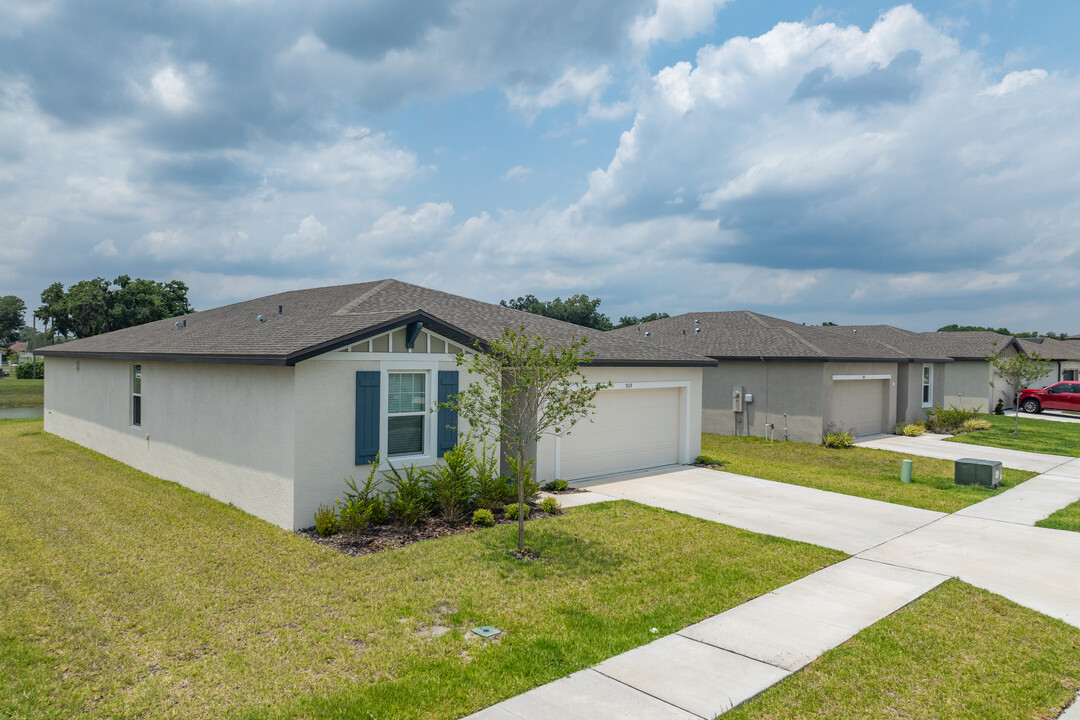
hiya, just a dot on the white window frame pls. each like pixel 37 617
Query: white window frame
pixel 431 373
pixel 926 385
pixel 136 393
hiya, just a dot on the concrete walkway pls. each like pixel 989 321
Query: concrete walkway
pixel 930 445
pixel 900 553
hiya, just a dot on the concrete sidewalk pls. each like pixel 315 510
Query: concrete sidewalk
pixel 930 445
pixel 708 668
pixel 900 553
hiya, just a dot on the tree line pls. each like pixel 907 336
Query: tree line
pixel 92 307
pixel 577 309
pixel 1002 331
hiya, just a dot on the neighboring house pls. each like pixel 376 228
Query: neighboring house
pixel 920 382
pixel 22 350
pixel 801 380
pixel 269 404
pixel 1065 357
pixel 970 381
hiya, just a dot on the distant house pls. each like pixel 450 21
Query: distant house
pixel 1064 355
pixel 795 381
pixel 270 403
pixel 23 351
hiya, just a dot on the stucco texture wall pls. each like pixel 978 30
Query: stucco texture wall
pixel 224 430
pixel 794 389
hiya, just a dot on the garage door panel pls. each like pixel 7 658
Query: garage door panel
pixel 632 429
pixel 859 406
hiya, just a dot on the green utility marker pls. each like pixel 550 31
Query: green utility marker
pixel 486 631
pixel 905 471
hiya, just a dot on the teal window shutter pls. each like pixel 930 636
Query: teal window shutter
pixel 367 416
pixel 448 387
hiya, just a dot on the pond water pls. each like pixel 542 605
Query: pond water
pixel 24 412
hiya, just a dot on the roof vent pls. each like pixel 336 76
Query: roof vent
pixel 176 325
pixel 647 333
pixel 184 324
pixel 260 319
pixel 683 332
pixel 697 330
pixel 280 310
pixel 854 330
pixel 696 322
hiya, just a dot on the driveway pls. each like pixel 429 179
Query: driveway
pixel 842 522
pixel 931 445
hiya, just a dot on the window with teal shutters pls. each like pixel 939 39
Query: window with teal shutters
pixel 448 387
pixel 367 416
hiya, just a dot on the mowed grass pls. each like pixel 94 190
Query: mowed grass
pixel 863 472
pixel 15 393
pixel 1038 436
pixel 124 596
pixel 956 653
pixel 1067 518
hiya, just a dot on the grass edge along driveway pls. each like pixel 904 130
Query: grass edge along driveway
pixel 863 472
pixel 956 653
pixel 122 595
pixel 1038 436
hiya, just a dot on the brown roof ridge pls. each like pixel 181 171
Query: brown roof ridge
pixel 804 341
pixel 366 295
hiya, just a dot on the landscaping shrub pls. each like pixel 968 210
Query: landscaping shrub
pixel 368 499
pixel 975 424
pixel 999 409
pixel 551 506
pixel 898 428
pixel 483 518
pixel 408 499
pixel 352 516
pixel 556 485
pixel 326 521
pixel 532 488
pixel 26 370
pixel 914 429
pixel 941 420
pixel 838 439
pixel 512 511
pixel 451 484
pixel 492 490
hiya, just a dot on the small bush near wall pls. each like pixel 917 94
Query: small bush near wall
pixel 975 424
pixel 942 420
pixel 452 485
pixel 914 429
pixel 511 510
pixel 408 500
pixel 838 439
pixel 551 506
pixel 26 370
pixel 326 521
pixel 556 485
pixel 999 409
pixel 492 490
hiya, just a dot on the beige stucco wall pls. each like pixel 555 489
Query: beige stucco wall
pixel 326 422
pixel 224 430
pixel 689 385
pixel 967 384
pixel 909 407
pixel 792 388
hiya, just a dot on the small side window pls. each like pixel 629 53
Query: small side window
pixel 136 395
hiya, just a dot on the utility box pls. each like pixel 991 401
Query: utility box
pixel 969 471
pixel 737 399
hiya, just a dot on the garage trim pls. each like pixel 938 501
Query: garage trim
pixel 684 409
pixel 862 377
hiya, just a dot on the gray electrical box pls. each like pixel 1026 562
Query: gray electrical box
pixel 737 399
pixel 969 471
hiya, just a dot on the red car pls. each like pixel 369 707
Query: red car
pixel 1059 396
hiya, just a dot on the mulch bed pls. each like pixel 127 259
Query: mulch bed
pixel 385 537
pixel 710 466
pixel 567 491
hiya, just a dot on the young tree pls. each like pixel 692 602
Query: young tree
pixel 525 388
pixel 1017 372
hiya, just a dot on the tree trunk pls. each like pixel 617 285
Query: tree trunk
pixel 521 502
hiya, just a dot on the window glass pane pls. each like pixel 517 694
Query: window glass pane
pixel 138 379
pixel 405 392
pixel 136 410
pixel 405 435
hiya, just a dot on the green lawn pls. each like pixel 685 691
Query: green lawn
pixel 124 596
pixel 1039 436
pixel 957 653
pixel 1067 518
pixel 864 472
pixel 16 393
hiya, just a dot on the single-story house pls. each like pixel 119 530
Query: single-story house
pixel 22 350
pixel 789 381
pixel 1065 357
pixel 970 381
pixel 269 404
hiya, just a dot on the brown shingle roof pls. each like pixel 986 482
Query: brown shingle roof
pixel 969 344
pixel 916 347
pixel 321 319
pixel 743 334
pixel 1050 348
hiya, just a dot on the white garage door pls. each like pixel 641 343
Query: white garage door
pixel 631 430
pixel 859 406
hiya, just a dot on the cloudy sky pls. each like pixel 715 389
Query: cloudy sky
pixel 911 164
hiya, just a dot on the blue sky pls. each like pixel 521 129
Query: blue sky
pixel 910 164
